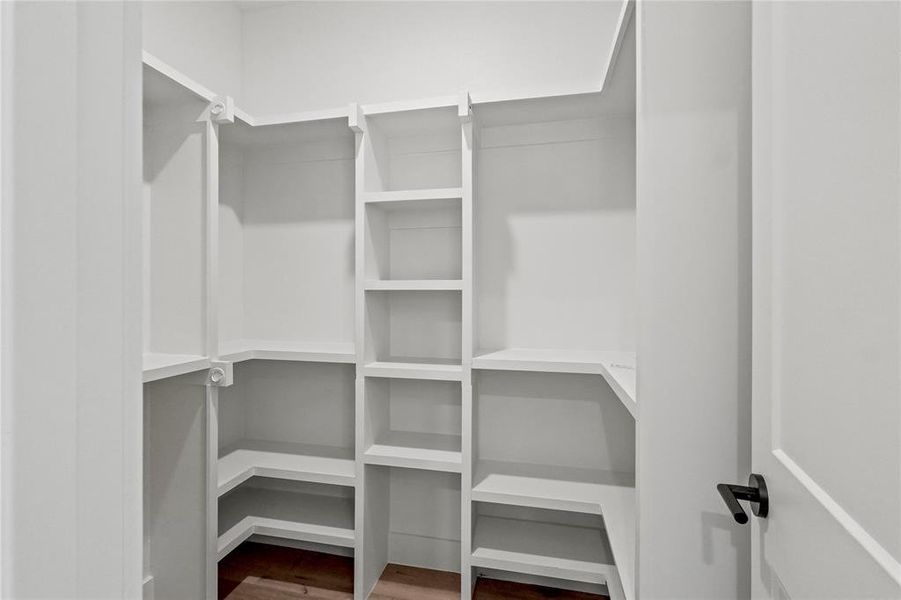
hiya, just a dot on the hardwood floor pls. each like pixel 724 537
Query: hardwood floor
pixel 262 572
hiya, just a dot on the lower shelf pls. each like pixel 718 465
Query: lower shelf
pixel 295 462
pixel 611 495
pixel 157 365
pixel 543 549
pixel 428 451
pixel 289 515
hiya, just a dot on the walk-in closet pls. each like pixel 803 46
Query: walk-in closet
pixel 398 332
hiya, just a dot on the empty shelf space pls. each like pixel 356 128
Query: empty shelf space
pixel 428 451
pixel 611 495
pixel 160 366
pixel 304 517
pixel 297 462
pixel 414 198
pixel 242 350
pixel 444 371
pixel 617 368
pixel 413 285
pixel 542 549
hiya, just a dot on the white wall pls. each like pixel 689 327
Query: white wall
pixel 311 55
pixel 200 39
pixel 71 296
pixel 694 296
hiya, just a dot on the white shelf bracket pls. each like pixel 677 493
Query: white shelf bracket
pixel 220 374
pixel 464 108
pixel 220 110
pixel 355 119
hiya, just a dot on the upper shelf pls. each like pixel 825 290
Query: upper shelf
pixel 617 368
pixel 160 366
pixel 242 350
pixel 442 371
pixel 433 198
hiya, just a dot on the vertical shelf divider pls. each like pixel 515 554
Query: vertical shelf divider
pixel 467 295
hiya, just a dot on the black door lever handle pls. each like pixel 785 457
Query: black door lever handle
pixel 755 493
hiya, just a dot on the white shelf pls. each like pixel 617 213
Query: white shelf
pixel 278 350
pixel 428 451
pixel 297 462
pixel 312 518
pixel 554 488
pixel 542 549
pixel 414 370
pixel 611 495
pixel 160 366
pixel 410 198
pixel 413 285
pixel 617 368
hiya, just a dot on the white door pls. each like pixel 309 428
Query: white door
pixel 827 299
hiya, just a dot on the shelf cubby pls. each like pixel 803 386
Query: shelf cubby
pixel 414 240
pixel 411 517
pixel 174 229
pixel 414 331
pixel 413 424
pixel 286 237
pixel 543 543
pixel 287 420
pixel 313 513
pixel 554 236
pixel 415 150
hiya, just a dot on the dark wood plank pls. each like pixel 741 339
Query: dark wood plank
pixel 264 572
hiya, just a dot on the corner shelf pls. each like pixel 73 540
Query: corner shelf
pixel 427 451
pixel 617 368
pixel 414 370
pixel 293 351
pixel 296 462
pixel 288 515
pixel 542 549
pixel 611 495
pixel 158 365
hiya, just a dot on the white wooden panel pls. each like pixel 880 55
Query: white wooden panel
pixel 71 304
pixel 230 294
pixel 694 295
pixel 175 485
pixel 826 416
